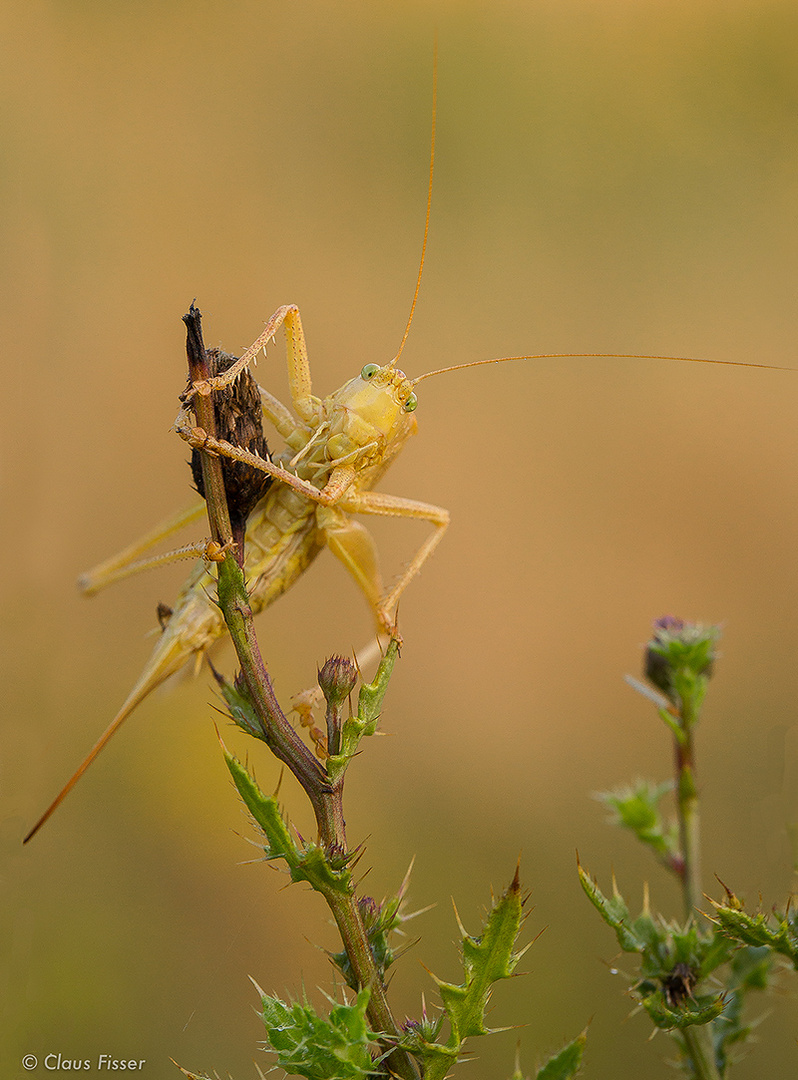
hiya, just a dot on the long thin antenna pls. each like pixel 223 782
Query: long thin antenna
pixel 621 356
pixel 429 196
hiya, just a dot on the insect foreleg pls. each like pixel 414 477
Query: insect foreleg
pixel 340 480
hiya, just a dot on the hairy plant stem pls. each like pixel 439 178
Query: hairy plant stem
pixel 325 797
pixel 689 821
pixel 697 1040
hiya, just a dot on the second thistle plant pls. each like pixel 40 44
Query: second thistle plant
pixel 693 977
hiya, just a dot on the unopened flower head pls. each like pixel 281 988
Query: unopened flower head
pixel 678 654
pixel 337 679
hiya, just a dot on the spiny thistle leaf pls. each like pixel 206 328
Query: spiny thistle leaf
pixel 317 1047
pixel 674 960
pixel 636 808
pixel 564 1064
pixel 371 694
pixel 438 1060
pixel 756 930
pixel 326 872
pixel 701 1010
pixel 634 935
pixel 237 699
pixel 486 959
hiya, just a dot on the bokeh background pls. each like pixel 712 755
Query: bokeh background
pixel 611 176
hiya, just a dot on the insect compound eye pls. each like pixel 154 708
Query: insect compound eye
pixel 369 371
pixel 411 403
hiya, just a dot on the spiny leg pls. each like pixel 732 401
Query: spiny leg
pixel 207 549
pixel 297 359
pixel 351 549
pixel 338 484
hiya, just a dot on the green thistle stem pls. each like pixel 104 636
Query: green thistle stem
pixel 698 1040
pixel 689 821
pixel 326 798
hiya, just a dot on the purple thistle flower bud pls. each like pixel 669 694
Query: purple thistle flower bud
pixel 679 652
pixel 337 679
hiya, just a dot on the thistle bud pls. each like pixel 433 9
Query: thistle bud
pixel 337 680
pixel 678 985
pixel 337 856
pixel 679 656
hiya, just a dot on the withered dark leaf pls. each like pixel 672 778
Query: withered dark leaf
pixel 238 421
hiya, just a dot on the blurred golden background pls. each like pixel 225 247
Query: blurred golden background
pixel 612 176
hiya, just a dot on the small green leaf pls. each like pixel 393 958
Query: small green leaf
pixel 634 935
pixel 486 959
pixel 369 705
pixel 636 808
pixel 564 1064
pixel 371 694
pixel 236 697
pixel 320 1048
pixel 691 1012
pixel 756 930
pixel 327 872
pixel 438 1061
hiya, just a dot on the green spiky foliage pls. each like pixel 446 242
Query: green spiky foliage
pixel 563 1065
pixel 486 959
pixel 636 807
pixel 776 931
pixel 325 870
pixel 694 978
pixel 674 959
pixel 335 1047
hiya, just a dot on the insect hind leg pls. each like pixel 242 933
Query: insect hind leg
pixel 299 380
pixel 132 559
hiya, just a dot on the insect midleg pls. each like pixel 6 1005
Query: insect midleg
pixel 126 563
pixel 354 546
pixel 376 502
